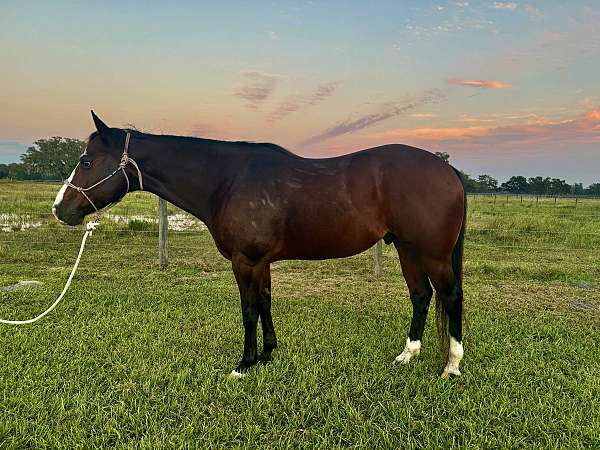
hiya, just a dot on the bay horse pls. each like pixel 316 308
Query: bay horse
pixel 262 203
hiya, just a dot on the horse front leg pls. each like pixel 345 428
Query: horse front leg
pixel 248 276
pixel 266 320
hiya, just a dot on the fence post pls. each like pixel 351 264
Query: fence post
pixel 378 258
pixel 163 228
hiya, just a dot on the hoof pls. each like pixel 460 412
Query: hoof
pixel 235 374
pixel 242 369
pixel 403 358
pixel 450 373
pixel 411 350
pixel 265 358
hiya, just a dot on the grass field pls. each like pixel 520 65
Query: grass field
pixel 137 357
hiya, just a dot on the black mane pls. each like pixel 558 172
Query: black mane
pixel 250 145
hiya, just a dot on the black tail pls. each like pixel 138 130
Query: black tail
pixel 457 268
pixel 457 253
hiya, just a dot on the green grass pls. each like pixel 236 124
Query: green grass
pixel 137 357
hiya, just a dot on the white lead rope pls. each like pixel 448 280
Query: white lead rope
pixel 91 226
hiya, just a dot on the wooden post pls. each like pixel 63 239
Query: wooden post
pixel 378 258
pixel 576 198
pixel 163 228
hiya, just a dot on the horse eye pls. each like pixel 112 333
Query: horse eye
pixel 86 164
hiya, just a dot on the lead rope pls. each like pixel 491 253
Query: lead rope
pixel 90 227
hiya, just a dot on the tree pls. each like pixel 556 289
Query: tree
pixel 443 156
pixel 53 158
pixel 469 183
pixel 515 185
pixel 557 186
pixel 487 183
pixel 593 189
pixel 577 189
pixel 538 185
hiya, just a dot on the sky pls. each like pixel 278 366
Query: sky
pixel 506 88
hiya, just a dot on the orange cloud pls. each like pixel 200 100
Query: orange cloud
pixel 431 134
pixel 487 84
pixel 593 115
pixel 581 129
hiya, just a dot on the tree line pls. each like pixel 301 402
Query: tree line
pixel 518 184
pixel 54 158
pixel 46 159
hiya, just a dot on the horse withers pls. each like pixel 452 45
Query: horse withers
pixel 263 203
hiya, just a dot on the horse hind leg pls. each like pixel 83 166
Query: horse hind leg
pixel 449 309
pixel 420 296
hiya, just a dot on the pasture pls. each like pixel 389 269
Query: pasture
pixel 138 357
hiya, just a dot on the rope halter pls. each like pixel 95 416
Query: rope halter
pixel 125 159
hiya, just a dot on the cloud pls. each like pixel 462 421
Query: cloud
pixel 580 129
pixel 593 116
pixel 296 102
pixel 273 35
pixel 387 110
pixel 429 134
pixel 423 115
pixel 487 84
pixel 256 87
pixel 502 5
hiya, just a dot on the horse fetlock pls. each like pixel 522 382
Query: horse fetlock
pixel 411 350
pixel 455 354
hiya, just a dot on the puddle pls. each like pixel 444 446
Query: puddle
pixel 17 222
pixel 21 285
pixel 177 222
pixel 583 306
pixel 10 222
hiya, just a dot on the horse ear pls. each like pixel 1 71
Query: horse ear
pixel 100 126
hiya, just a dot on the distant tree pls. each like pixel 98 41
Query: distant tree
pixel 487 183
pixel 3 170
pixel 17 171
pixel 443 156
pixel 516 185
pixel 53 158
pixel 557 186
pixel 593 189
pixel 577 189
pixel 538 185
pixel 470 184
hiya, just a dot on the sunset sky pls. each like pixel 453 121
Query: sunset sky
pixel 507 88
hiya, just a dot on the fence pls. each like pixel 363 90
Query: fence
pixel 560 207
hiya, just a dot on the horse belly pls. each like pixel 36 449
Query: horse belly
pixel 327 235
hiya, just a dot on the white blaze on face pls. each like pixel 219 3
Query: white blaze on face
pixel 411 350
pixel 61 193
pixel 455 354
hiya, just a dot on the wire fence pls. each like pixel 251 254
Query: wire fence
pixel 23 228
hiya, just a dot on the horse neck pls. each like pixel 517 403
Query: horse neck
pixel 186 172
